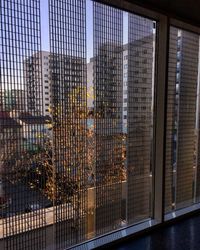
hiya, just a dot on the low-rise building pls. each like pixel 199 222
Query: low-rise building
pixel 34 128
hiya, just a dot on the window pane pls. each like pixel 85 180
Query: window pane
pixel 76 121
pixel 108 87
pixel 182 116
pixel 141 42
pixel 68 61
pixel 22 176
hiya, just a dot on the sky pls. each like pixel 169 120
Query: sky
pixel 45 27
pixel 89 27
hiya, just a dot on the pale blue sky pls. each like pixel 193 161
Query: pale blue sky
pixel 45 24
pixel 45 27
pixel 89 27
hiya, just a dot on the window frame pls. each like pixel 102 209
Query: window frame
pixel 160 75
pixel 161 80
pixel 182 212
pixel 160 100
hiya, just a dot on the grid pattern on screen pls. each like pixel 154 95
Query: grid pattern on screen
pixel 50 192
pixel 68 86
pixel 197 144
pixel 20 113
pixel 108 84
pixel 181 138
pixel 169 198
pixel 141 44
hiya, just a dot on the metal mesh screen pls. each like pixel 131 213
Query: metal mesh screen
pixel 70 169
pixel 181 137
pixel 68 76
pixel 108 52
pixel 21 116
pixel 141 45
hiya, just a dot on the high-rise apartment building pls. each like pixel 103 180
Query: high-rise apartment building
pixel 90 85
pixel 136 117
pixel 125 86
pixel 46 86
pixel 37 85
pixel 33 83
pixel 51 72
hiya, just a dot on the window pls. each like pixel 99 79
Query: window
pixel 178 67
pixel 182 177
pixel 137 53
pixel 20 47
pixel 178 55
pixel 69 158
pixel 178 76
pixel 144 51
pixel 144 70
pixel 144 61
pixel 179 42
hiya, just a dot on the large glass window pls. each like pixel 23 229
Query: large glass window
pixel 76 121
pixel 181 166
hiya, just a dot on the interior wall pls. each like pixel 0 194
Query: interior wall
pixel 186 10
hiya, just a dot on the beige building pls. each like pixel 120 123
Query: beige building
pixel 37 85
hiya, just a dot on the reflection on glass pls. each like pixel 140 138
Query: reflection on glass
pixel 181 183
pixel 76 121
